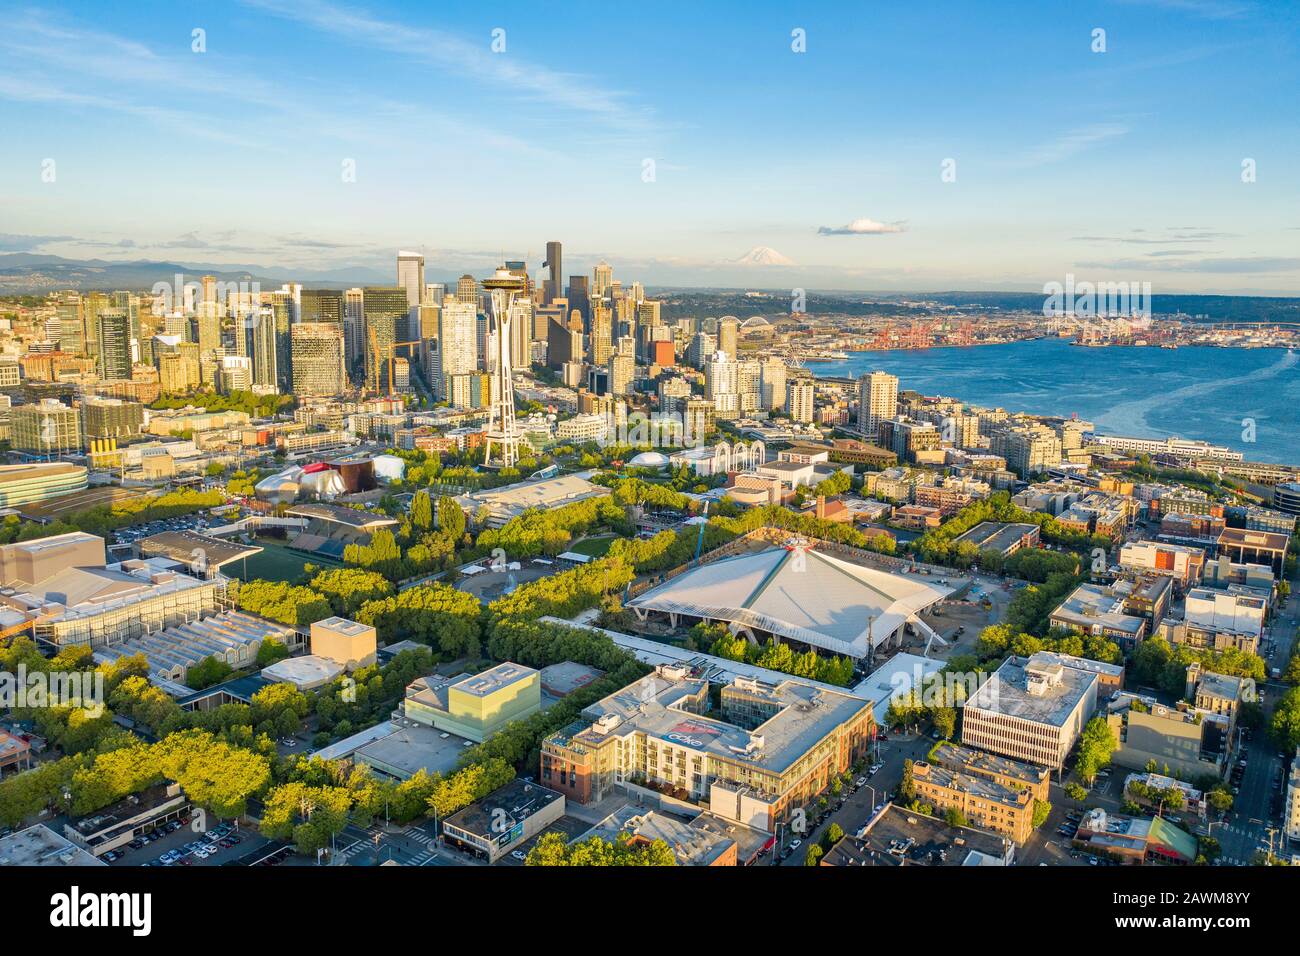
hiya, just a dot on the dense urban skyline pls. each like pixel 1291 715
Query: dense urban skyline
pixel 772 168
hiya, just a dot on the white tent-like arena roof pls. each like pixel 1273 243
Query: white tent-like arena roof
pixel 800 594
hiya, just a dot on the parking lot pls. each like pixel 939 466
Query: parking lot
pixel 181 845
pixel 199 522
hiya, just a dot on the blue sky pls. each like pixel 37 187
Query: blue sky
pixel 1122 164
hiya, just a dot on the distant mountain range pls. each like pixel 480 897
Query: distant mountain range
pixel 25 273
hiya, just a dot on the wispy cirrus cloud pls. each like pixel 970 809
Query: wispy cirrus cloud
pixel 454 54
pixel 863 227
pixel 1204 9
pixel 69 64
pixel 1187 237
pixel 1070 144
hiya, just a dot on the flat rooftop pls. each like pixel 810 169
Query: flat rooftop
pixel 40 846
pixel 189 547
pixel 494 679
pixel 13 474
pixel 1007 693
pixel 501 809
pixel 993 535
pixel 1246 538
pixel 541 493
pixel 653 706
pixel 1102 669
pixel 125 809
pixel 1222 686
pixel 564 678
pixel 346 627
pixel 980 761
pixel 693 846
pixel 406 750
pixel 982 787
pixel 901 837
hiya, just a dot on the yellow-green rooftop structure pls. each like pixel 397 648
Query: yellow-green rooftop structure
pixel 475 706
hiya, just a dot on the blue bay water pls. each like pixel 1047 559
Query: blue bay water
pixel 1191 392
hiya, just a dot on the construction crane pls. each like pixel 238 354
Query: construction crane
pixel 375 351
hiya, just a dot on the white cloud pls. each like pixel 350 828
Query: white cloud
pixel 863 227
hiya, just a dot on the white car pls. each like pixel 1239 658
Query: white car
pixel 519 854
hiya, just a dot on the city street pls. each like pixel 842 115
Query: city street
pixel 858 807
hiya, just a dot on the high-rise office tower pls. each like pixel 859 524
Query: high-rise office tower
pixel 318 350
pixel 729 335
pixel 209 290
pixel 601 340
pixel 521 333
pixel 321 305
pixel 702 348
pixel 554 287
pixel 602 279
pixel 130 303
pixel 410 276
pixel 501 443
pixel 91 305
pixel 579 296
pixel 877 401
pixel 209 323
pixel 114 344
pixel 265 350
pixel 467 289
pixel 385 310
pixel 429 317
pixel 354 327
pixel 284 303
pixel 72 334
pixel 622 367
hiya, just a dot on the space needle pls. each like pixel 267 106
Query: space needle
pixel 501 437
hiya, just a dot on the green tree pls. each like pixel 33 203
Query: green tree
pixel 1095 748
pixel 1285 725
pixel 1041 811
pixel 207 672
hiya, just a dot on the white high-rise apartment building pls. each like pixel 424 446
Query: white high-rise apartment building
pixel 877 401
pixel 775 374
pixel 721 376
pixel 799 399
pixel 458 338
